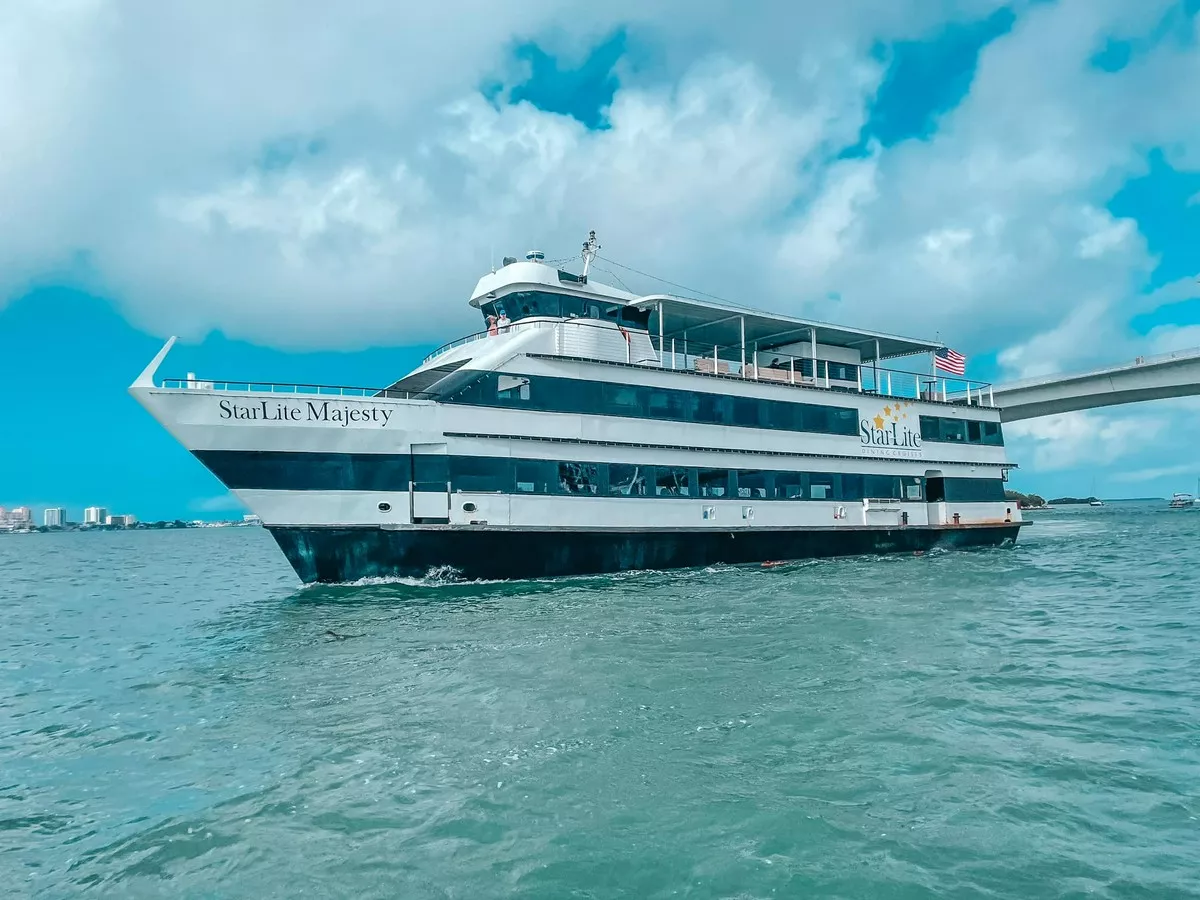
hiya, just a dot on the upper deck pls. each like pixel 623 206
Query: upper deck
pixel 596 322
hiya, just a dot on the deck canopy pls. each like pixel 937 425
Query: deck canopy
pixel 722 324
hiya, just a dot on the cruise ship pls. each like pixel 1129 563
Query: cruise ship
pixel 587 429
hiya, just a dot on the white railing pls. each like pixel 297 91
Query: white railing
pixel 266 387
pixel 604 342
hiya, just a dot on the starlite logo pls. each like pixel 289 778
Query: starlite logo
pixel 889 432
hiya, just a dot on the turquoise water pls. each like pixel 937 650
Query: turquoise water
pixel 1015 723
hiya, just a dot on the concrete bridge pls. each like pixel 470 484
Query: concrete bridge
pixel 1146 378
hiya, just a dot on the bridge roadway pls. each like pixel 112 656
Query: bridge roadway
pixel 1146 378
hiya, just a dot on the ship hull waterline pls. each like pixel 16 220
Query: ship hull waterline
pixel 339 554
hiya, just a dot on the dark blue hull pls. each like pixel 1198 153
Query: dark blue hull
pixel 339 554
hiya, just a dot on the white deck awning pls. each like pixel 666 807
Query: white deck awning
pixel 721 324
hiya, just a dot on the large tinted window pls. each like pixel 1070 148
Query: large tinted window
pixel 820 486
pixel 535 476
pixel 642 401
pixel 478 473
pixel 267 470
pixel 626 481
pixel 579 478
pixel 523 304
pixel 974 490
pixel 961 431
pixel 789 485
pixel 713 482
pixel 671 481
pixel 754 485
pixel 881 487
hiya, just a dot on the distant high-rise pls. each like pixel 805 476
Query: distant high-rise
pixel 121 521
pixel 21 515
pixel 54 517
pixel 95 515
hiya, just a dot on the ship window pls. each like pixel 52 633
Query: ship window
pixel 637 318
pixel 626 481
pixel 571 395
pixel 881 487
pixel 852 488
pixel 579 478
pixel 753 484
pixel 713 482
pixel 622 400
pixel 843 372
pixel 533 476
pixel 479 473
pixel 673 405
pixel 931 428
pixel 974 432
pixel 512 388
pixel 842 420
pixel 992 435
pixel 974 490
pixel 953 431
pixel 912 487
pixel 570 306
pixel 821 486
pixel 817 418
pixel 671 481
pixel 745 412
pixel 789 485
pixel 711 409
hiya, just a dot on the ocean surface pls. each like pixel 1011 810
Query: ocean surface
pixel 175 721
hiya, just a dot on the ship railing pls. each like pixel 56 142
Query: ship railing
pixel 445 348
pixel 802 371
pixel 585 338
pixel 267 387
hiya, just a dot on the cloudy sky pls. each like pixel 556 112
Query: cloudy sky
pixel 282 183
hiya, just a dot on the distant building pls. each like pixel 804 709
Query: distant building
pixel 54 517
pixel 121 521
pixel 21 515
pixel 251 519
pixel 95 515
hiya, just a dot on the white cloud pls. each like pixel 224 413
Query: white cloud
pixel 1142 475
pixel 1172 339
pixel 131 137
pixel 1070 440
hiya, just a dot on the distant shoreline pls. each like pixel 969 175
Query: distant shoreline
pixel 161 525
pixel 1035 501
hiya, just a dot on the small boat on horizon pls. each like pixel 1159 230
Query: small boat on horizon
pixel 1182 501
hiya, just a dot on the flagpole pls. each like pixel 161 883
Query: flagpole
pixel 933 367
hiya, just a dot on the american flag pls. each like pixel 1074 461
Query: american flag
pixel 950 361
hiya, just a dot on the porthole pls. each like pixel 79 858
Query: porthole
pixel 469 507
pixel 385 507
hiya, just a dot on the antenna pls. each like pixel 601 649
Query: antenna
pixel 590 248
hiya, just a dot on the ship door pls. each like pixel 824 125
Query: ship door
pixel 935 496
pixel 429 488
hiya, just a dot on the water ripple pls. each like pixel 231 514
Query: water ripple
pixel 178 718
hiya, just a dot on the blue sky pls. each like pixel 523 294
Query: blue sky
pixel 1022 179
